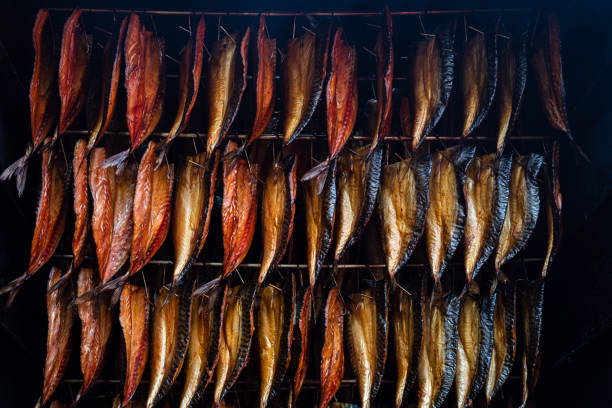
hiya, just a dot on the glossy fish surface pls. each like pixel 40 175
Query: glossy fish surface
pixel 554 203
pixel 384 80
pixel 332 354
pixel 301 340
pixel 532 304
pixel 81 203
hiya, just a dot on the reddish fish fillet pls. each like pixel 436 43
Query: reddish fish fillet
pixel 332 354
pixel 81 203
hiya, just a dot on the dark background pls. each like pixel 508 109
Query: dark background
pixel 577 362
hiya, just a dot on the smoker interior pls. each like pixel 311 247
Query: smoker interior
pixel 577 310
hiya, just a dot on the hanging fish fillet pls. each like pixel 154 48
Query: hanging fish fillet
pixel 532 303
pixel 402 207
pixel 320 212
pixel 446 215
pixel 111 221
pixel 479 80
pixel 58 404
pixel 303 75
pixel 226 84
pixel 553 208
pixel 239 210
pixel 301 341
pixel 96 326
pixel 341 101
pixel 50 217
pixel 236 335
pixel 358 180
pixel 511 85
pixel 332 354
pixel 207 317
pixel 43 95
pixel 74 58
pixel 547 67
pixel 274 337
pixel 169 339
pixel 81 203
pixel 486 189
pixel 277 212
pixel 431 72
pixel 195 190
pixel 190 72
pixel 523 208
pixel 59 338
pixel 134 319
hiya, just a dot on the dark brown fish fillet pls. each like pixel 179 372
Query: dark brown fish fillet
pixel 226 84
pixel 532 303
pixel 81 203
pixel 553 208
pixel 446 215
pixel 74 58
pixel 522 210
pixel 96 326
pixel 479 79
pixel 59 334
pixel 134 319
pixel 402 207
pixel 332 354
pixel 301 341
pixel 358 180
pixel 58 404
pixel 277 212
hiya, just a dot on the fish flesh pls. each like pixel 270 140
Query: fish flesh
pixel 303 74
pixel 96 326
pixel 226 84
pixel 195 190
pixel 367 334
pixel 402 207
pixel 74 59
pixel 50 217
pixel 532 304
pixel 58 404
pixel 277 212
pixel 358 180
pixel 320 214
pixel 111 221
pixel 81 203
pixel 512 78
pixel 546 63
pixel 59 335
pixel 479 77
pixel 431 71
pixel 190 73
pixel 437 361
pixel 486 189
pixel 236 336
pixel 169 339
pixel 553 208
pixel 43 95
pixel 341 97
pixel 446 215
pixel 504 339
pixel 274 336
pixel 207 317
pixel 134 319
pixel 332 354
pixel 239 209
pixel 522 210
pixel 301 341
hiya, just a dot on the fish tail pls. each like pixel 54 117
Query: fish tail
pixel 19 170
pixel 162 151
pixel 316 171
pixel 12 286
pixel 577 147
pixel 118 160
pixel 207 287
pixel 62 280
pixel 234 154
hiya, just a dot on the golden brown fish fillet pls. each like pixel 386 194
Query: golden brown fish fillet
pixel 301 341
pixel 134 319
pixel 332 354
pixel 446 214
pixel 59 338
pixel 81 203
pixel 553 208
pixel 74 58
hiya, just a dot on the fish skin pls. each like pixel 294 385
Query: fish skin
pixel 277 213
pixel 72 73
pixel 169 339
pixel 320 214
pixel 96 327
pixel 554 204
pixel 303 74
pixel 81 203
pixel 59 335
pixel 239 209
pixel 384 80
pixel 522 210
pixel 444 224
pixel 532 304
pixel 207 318
pixel 479 67
pixel 486 189
pixel 368 316
pixel 58 404
pixel 402 207
pixel 332 354
pixel 226 84
pixel 301 341
pixel 358 182
pixel 134 319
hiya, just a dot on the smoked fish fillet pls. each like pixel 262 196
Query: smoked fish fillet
pixel 554 203
pixel 81 203
pixel 531 304
pixel 332 354
pixel 301 341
